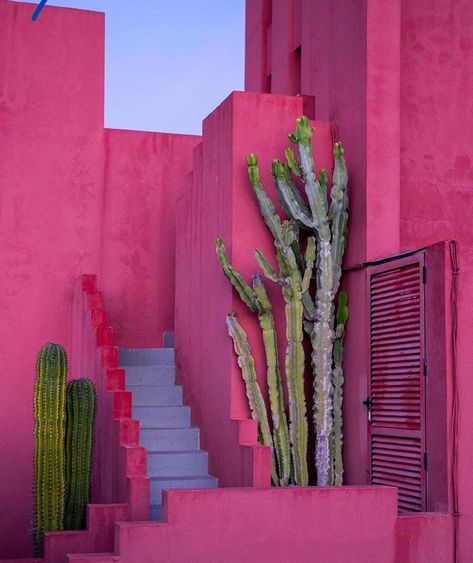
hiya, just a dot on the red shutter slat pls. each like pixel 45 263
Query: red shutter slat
pixel 396 358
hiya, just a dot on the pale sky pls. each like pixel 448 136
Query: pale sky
pixel 168 63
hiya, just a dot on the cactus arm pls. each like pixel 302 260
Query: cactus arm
pixel 266 266
pixel 271 218
pixel 338 213
pixel 337 435
pixel 316 194
pixel 274 379
pixel 292 163
pixel 243 289
pixel 295 377
pixel 253 391
pixel 289 196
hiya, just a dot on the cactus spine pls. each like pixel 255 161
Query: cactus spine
pixel 253 391
pixel 49 430
pixel 79 441
pixel 257 300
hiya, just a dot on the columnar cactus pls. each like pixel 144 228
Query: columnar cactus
pixel 79 444
pixel 49 430
pixel 294 284
pixel 326 225
pixel 253 391
pixel 329 225
pixel 257 300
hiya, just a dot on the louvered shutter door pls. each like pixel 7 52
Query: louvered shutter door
pixel 396 428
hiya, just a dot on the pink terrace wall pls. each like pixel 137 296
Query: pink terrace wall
pixel 73 198
pixel 219 201
pixel 343 525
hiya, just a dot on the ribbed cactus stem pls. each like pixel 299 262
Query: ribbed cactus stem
pixel 276 396
pixel 285 236
pixel 338 214
pixel 257 300
pixel 295 378
pixel 49 432
pixel 244 290
pixel 337 376
pixel 253 391
pixel 330 227
pixel 322 333
pixel 80 403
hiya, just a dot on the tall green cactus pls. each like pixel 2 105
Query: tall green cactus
pixel 80 403
pixel 294 285
pixel 49 430
pixel 329 225
pixel 326 224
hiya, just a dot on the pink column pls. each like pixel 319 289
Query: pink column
pixel 219 201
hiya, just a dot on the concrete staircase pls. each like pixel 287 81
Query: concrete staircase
pixel 175 460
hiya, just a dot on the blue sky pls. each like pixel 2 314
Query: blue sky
pixel 168 63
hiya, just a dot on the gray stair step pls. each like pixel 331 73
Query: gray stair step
pixel 156 512
pixel 163 417
pixel 177 464
pixel 146 356
pixel 169 439
pixel 168 340
pixel 150 375
pixel 156 395
pixel 158 484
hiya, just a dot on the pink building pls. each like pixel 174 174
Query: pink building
pixel 136 215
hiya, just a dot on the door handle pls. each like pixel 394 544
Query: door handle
pixel 368 402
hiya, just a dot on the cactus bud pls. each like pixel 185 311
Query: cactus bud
pixel 277 169
pixel 251 160
pixel 338 150
pixel 303 130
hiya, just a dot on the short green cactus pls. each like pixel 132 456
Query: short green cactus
pixel 80 404
pixel 49 431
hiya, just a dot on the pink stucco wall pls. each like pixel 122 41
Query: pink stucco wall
pixel 304 525
pixel 437 172
pixel 74 198
pixel 219 201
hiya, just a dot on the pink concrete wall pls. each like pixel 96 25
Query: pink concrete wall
pixel 346 525
pixel 73 198
pixel 143 175
pixel 221 202
pixel 437 172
